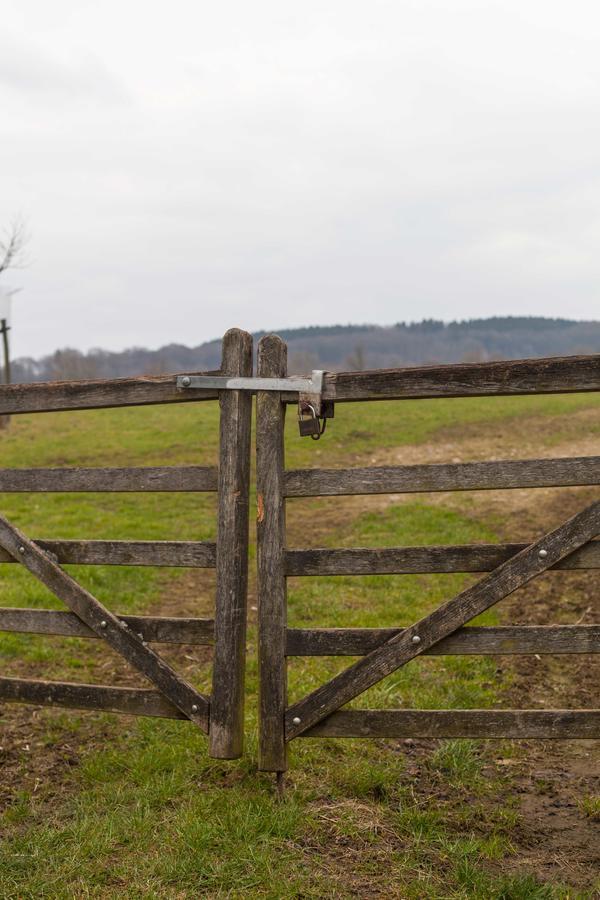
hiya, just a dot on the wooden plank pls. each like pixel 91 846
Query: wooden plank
pixel 53 396
pixel 227 698
pixel 130 701
pixel 422 560
pixel 497 724
pixel 472 476
pixel 106 625
pixel 162 629
pixel 272 588
pixel 551 375
pixel 192 554
pixel 554 375
pixel 471 602
pixel 147 478
pixel 474 640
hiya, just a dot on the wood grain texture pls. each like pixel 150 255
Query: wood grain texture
pixel 163 629
pixel 147 478
pixel 143 390
pixel 227 699
pixel 272 589
pixel 474 640
pixel 551 375
pixel 422 560
pixel 192 554
pixel 475 476
pixel 130 701
pixel 439 624
pixel 514 724
pixel 105 624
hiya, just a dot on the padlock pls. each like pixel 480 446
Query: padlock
pixel 308 422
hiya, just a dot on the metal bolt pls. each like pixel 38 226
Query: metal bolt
pixel 186 381
pixel 296 720
pixel 416 639
pixel 103 623
pixel 21 549
pixel 194 708
pixel 543 554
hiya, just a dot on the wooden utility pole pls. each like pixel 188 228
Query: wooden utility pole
pixel 4 329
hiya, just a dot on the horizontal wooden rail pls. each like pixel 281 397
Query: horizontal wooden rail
pixel 163 629
pixel 147 478
pixel 192 554
pixel 552 375
pixel 473 640
pixel 473 476
pixel 53 396
pixel 421 560
pixel 559 724
pixel 130 701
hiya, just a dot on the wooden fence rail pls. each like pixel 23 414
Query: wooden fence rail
pixel 185 554
pixel 479 476
pixel 149 478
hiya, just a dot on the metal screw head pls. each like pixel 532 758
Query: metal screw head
pixel 296 720
pixel 543 554
pixel 194 708
pixel 416 639
pixel 186 381
pixel 103 623
pixel 21 549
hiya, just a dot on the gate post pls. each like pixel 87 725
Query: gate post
pixel 227 700
pixel 272 590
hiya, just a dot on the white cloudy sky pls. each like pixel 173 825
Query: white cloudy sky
pixel 188 166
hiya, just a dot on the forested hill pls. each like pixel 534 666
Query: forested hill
pixel 343 347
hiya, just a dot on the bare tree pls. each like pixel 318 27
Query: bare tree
pixel 12 245
pixel 303 361
pixel 356 361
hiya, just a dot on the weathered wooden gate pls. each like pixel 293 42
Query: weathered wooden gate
pixel 221 714
pixel 509 566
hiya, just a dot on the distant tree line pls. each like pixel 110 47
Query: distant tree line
pixel 341 347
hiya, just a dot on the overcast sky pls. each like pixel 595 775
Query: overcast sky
pixel 188 166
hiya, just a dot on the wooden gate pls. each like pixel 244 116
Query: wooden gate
pixel 221 714
pixel 509 566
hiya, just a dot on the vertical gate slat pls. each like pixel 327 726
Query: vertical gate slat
pixel 272 604
pixel 227 700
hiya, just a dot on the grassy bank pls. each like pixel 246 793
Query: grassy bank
pixel 142 811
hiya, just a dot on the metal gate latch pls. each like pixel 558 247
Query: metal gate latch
pixel 312 409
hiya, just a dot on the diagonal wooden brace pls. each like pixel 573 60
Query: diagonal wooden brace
pixel 508 577
pixel 114 631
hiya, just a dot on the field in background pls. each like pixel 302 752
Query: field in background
pixel 96 805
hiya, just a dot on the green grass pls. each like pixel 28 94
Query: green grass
pixel 590 806
pixel 148 814
pixel 360 429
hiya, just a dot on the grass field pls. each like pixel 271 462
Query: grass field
pixel 100 806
